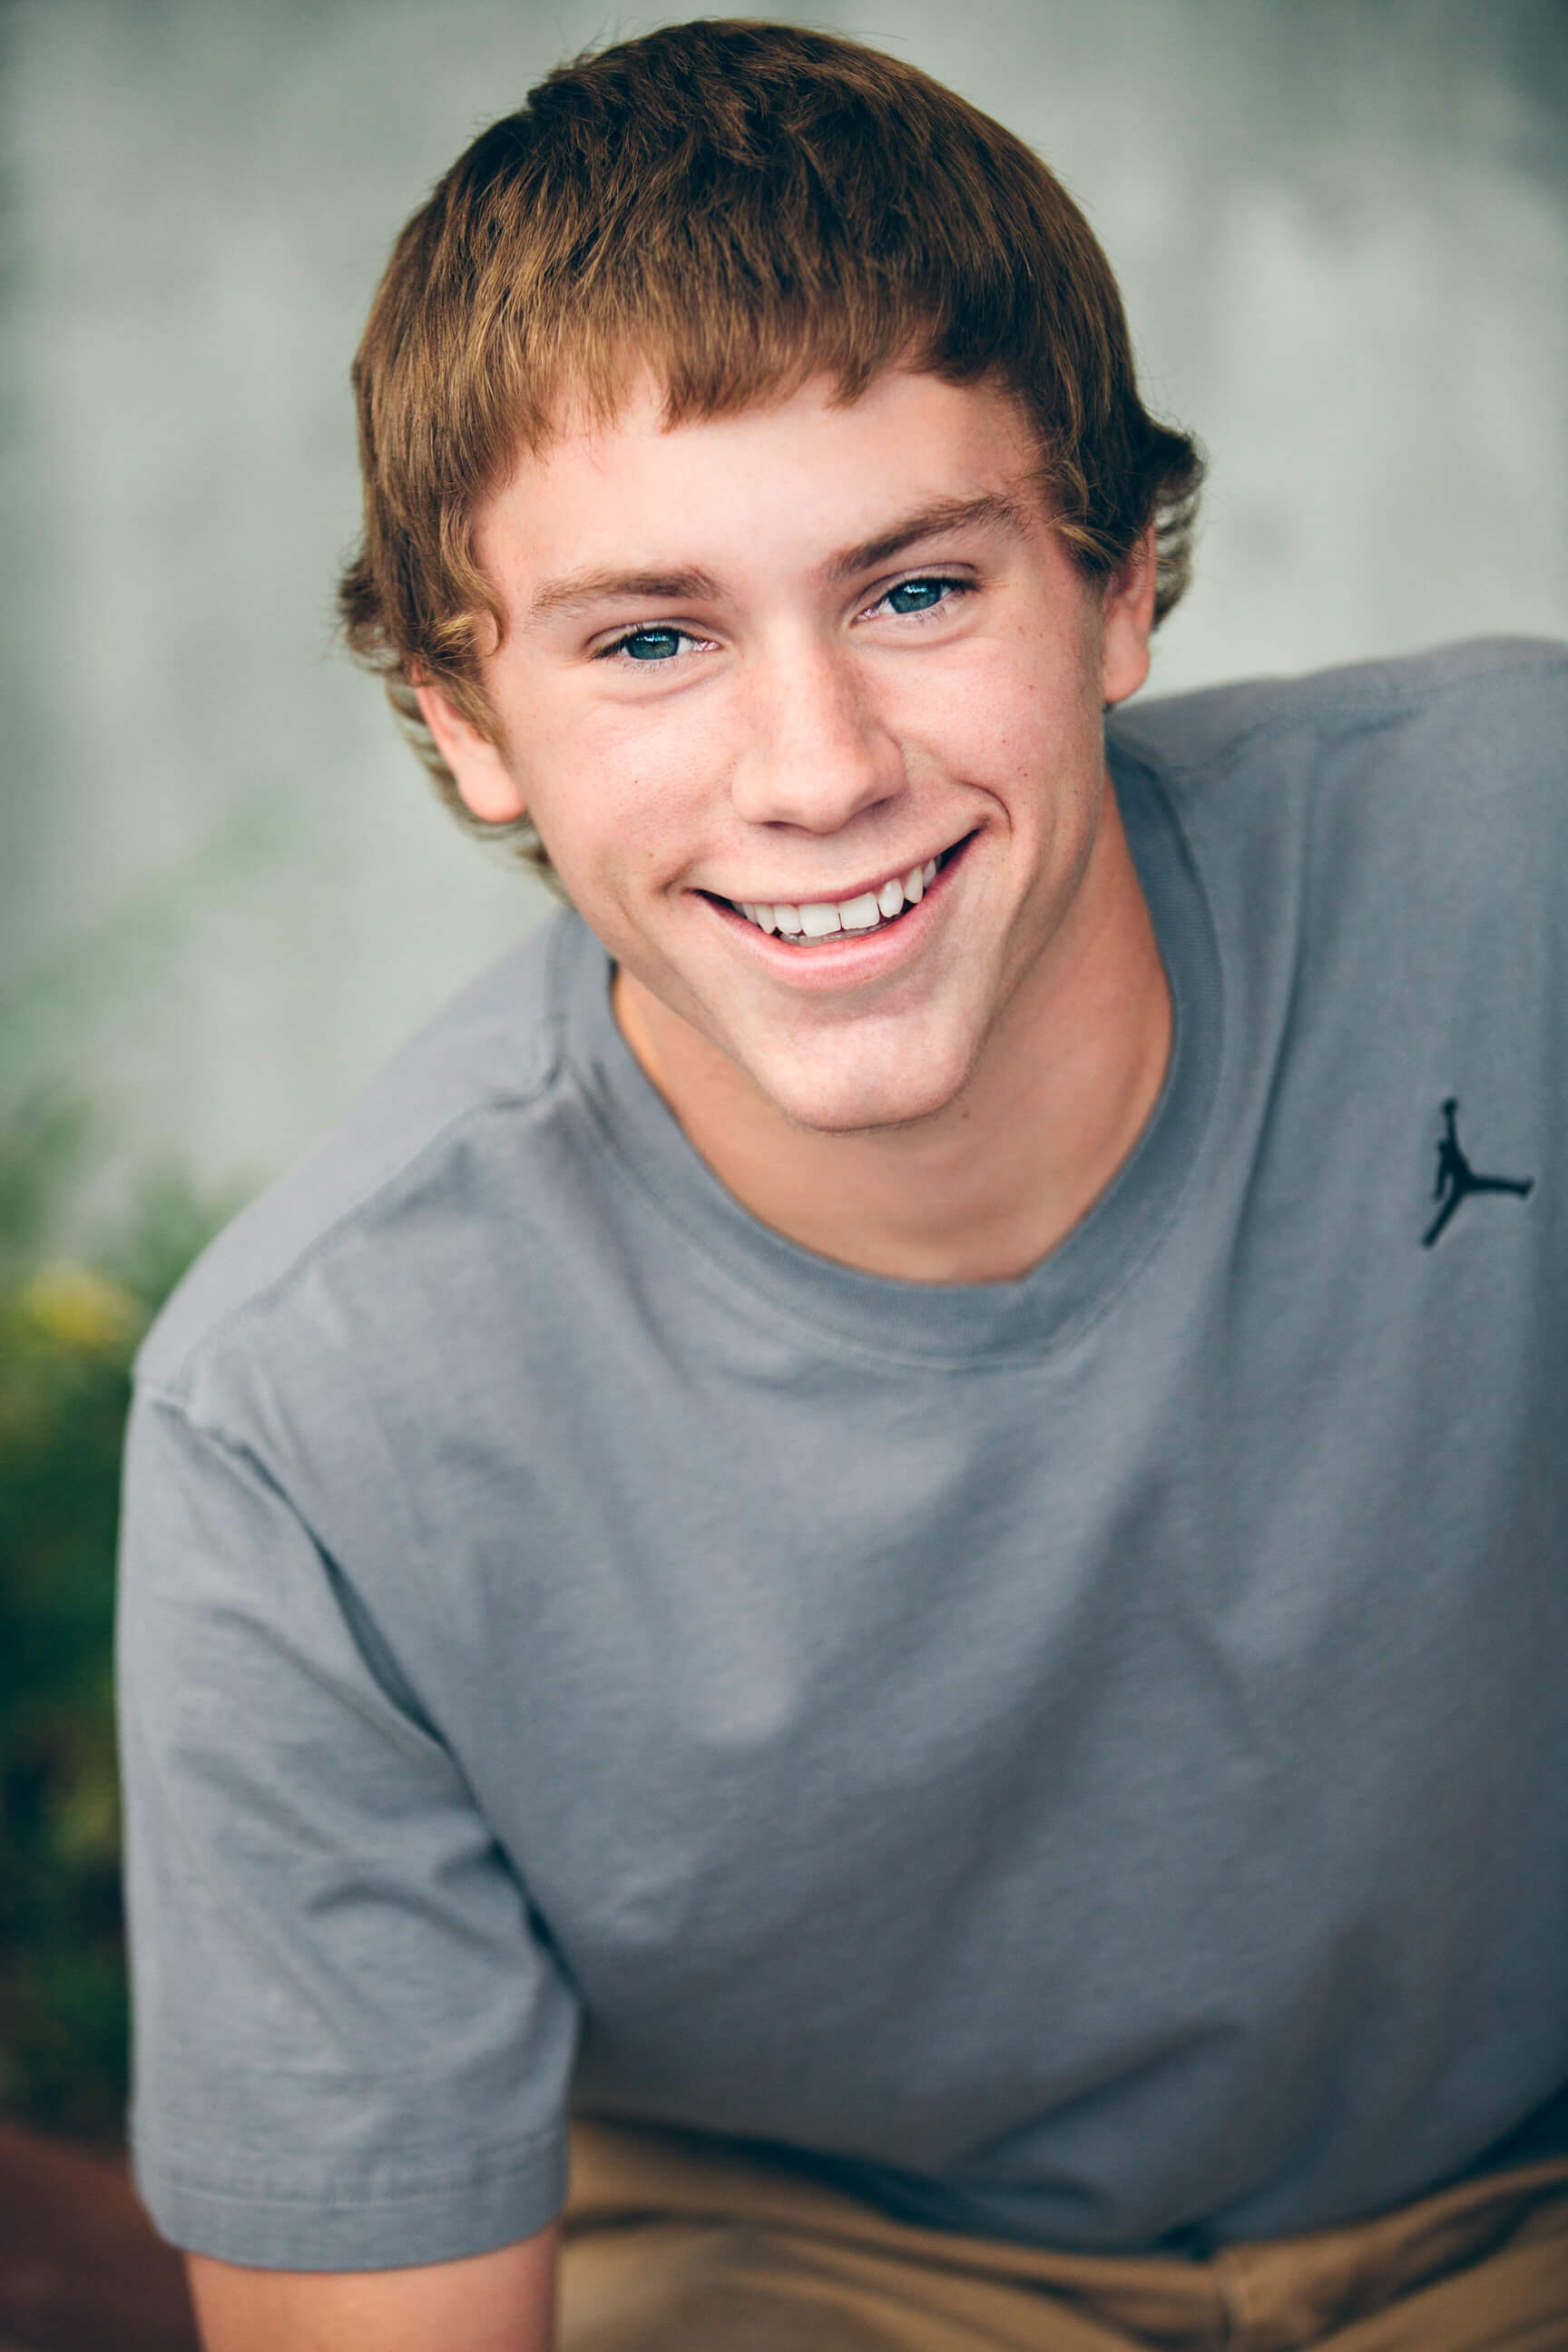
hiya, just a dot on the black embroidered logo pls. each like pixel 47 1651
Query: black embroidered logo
pixel 1456 1179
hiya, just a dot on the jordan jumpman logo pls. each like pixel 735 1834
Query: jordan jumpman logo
pixel 1456 1179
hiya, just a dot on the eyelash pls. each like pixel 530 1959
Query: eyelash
pixel 955 588
pixel 645 629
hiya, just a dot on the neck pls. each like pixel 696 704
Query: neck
pixel 986 1187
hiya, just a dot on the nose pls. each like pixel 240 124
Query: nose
pixel 815 753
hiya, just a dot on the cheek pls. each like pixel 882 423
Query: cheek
pixel 1008 715
pixel 618 801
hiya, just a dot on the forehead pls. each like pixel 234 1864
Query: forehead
pixel 797 476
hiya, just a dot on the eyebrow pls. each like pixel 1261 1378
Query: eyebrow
pixel 574 590
pixel 578 588
pixel 992 512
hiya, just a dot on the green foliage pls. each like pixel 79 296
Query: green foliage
pixel 69 1329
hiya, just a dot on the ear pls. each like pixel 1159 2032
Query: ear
pixel 486 784
pixel 1127 621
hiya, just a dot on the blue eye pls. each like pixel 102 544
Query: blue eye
pixel 917 595
pixel 649 645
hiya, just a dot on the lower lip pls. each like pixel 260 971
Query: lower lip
pixel 846 955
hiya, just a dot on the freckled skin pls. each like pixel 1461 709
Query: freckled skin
pixel 772 730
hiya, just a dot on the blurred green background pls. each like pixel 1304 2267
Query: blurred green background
pixel 1342 233
pixel 68 1326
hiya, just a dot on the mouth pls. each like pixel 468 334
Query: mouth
pixel 815 922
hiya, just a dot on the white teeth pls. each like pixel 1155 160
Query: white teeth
pixel 821 920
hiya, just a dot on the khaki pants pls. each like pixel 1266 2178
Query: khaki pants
pixel 672 2246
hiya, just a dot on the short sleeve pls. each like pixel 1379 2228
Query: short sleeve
pixel 350 2049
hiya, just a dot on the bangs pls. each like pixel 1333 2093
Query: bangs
pixel 736 251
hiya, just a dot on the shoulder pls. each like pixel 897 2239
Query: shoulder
pixel 453 1099
pixel 1505 698
pixel 1387 827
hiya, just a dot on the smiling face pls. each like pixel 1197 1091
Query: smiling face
pixel 807 706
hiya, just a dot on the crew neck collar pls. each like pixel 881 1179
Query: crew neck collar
pixel 957 1323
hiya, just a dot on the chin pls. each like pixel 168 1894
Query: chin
pixel 859 1097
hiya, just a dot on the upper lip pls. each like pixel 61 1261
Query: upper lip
pixel 835 897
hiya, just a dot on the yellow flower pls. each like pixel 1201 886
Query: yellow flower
pixel 80 1309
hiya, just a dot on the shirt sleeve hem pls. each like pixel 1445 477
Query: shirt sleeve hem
pixel 492 2205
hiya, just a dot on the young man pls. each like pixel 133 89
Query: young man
pixel 859 1525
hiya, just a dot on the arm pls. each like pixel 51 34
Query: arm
pixel 502 2302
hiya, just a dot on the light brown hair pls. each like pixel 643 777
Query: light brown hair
pixel 741 207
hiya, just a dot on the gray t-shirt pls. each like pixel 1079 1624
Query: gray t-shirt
pixel 1080 1758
